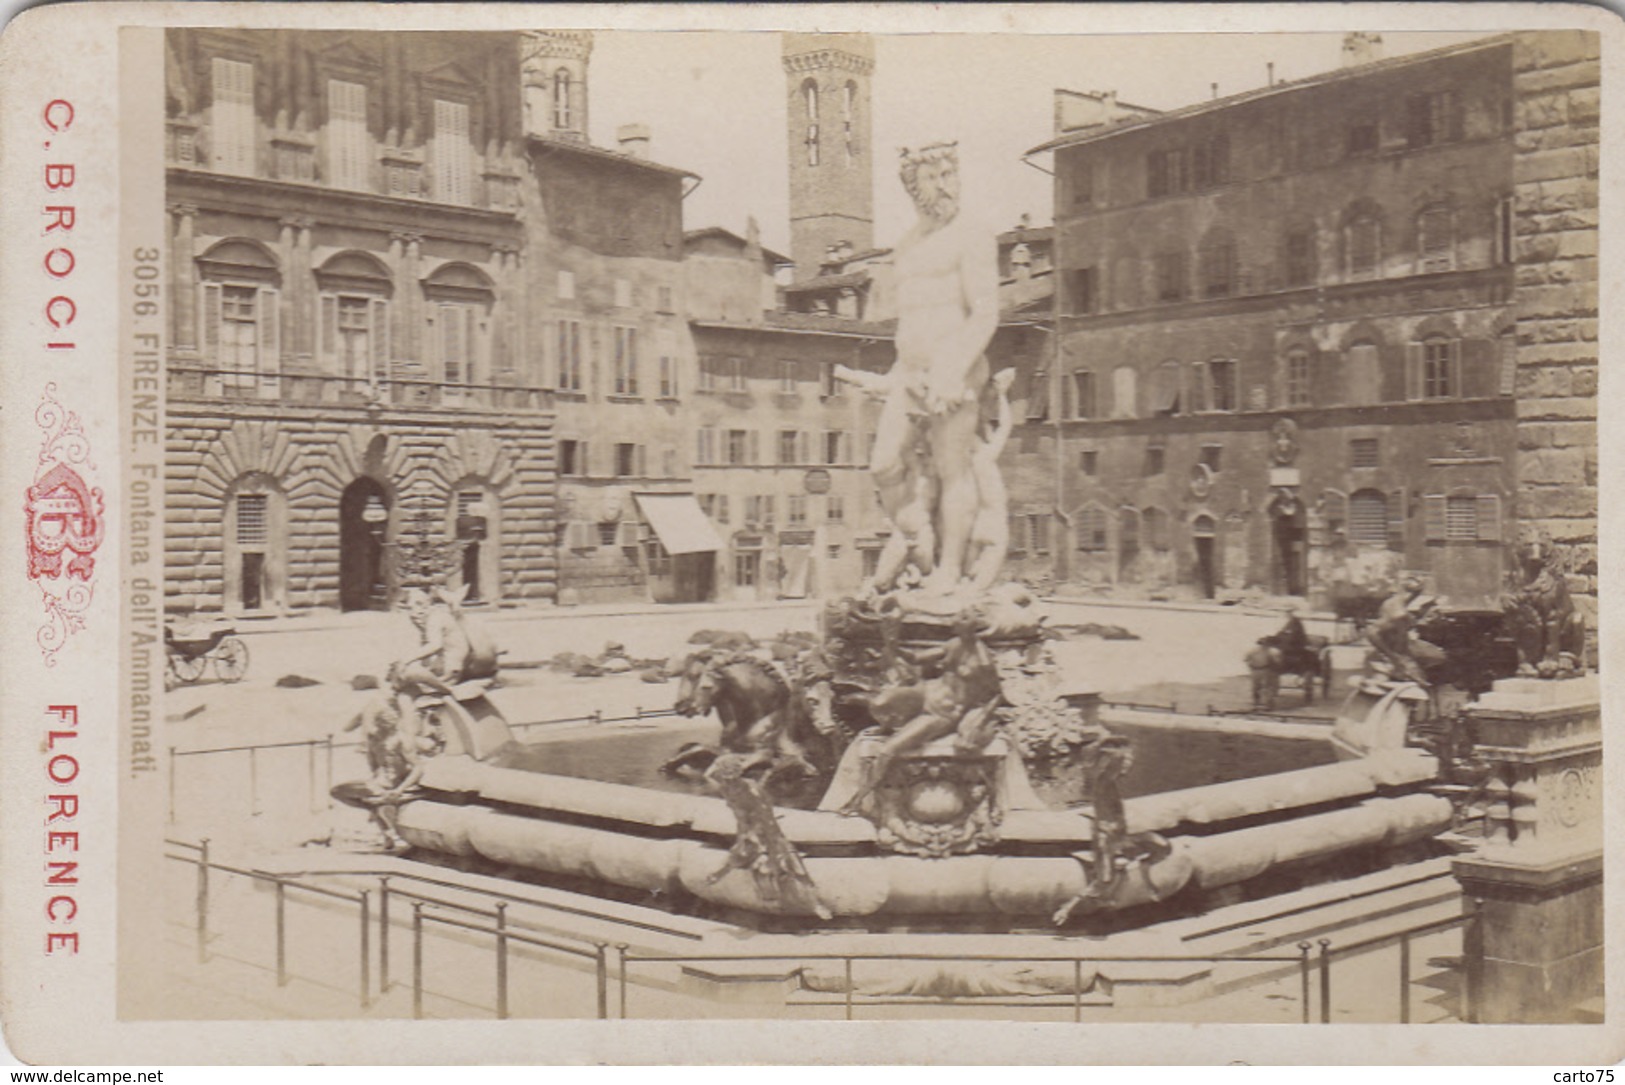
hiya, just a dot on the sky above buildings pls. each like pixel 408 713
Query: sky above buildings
pixel 716 104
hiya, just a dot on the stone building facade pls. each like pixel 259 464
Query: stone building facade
pixel 606 293
pixel 1556 103
pixel 1287 334
pixel 346 367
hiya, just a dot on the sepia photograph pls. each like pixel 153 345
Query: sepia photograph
pixel 835 524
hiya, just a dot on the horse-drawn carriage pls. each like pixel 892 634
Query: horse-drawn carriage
pixel 190 652
pixel 1269 662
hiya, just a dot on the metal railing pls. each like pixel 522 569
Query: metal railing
pixel 613 960
pixel 319 763
pixel 281 884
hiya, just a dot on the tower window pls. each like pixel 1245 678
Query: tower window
pixel 809 97
pixel 849 113
pixel 563 115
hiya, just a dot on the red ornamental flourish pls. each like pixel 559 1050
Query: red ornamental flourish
pixel 65 523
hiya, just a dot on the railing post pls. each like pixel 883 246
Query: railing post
pixel 1472 958
pixel 310 775
pixel 848 963
pixel 502 960
pixel 624 980
pixel 383 930
pixel 597 716
pixel 203 901
pixel 329 743
pixel 620 953
pixel 637 712
pixel 1325 981
pixel 417 959
pixel 1405 979
pixel 366 949
pixel 172 785
pixel 1303 973
pixel 1077 990
pixel 281 934
pixel 601 953
pixel 253 782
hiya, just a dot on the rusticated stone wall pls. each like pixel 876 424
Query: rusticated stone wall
pixel 1557 94
pixel 306 457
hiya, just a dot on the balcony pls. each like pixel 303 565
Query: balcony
pixel 317 389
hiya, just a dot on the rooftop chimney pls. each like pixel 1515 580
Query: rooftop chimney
pixel 1361 47
pixel 634 140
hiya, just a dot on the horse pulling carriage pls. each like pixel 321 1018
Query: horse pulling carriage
pixel 189 655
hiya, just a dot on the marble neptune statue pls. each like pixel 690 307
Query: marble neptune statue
pixel 929 434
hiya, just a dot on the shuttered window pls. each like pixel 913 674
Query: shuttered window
pixel 233 116
pixel 1461 518
pixel 1368 518
pixel 347 144
pixel 453 154
pixel 253 521
pixel 1364 248
pixel 1363 452
pixel 1435 239
pixel 1092 529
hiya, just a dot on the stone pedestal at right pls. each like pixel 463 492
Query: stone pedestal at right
pixel 1536 954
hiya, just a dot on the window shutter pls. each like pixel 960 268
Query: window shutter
pixel 641 461
pixel 1489 517
pixel 270 355
pixel 211 323
pixel 1396 519
pixel 1456 389
pixel 1434 515
pixel 327 331
pixel 1413 370
pixel 753 447
pixel 1198 387
pixel 1508 363
pixel 380 340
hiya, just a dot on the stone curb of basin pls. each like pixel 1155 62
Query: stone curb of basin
pixel 317 621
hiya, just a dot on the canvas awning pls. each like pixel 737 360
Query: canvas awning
pixel 680 523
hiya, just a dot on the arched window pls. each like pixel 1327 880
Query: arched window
pixel 1364 374
pixel 1368 518
pixel 1433 368
pixel 353 319
pixel 1435 239
pixel 1092 532
pixel 1124 404
pixel 474 520
pixel 849 120
pixel 1217 264
pixel 459 301
pixel 255 558
pixel 1363 242
pixel 563 114
pixel 1166 388
pixel 240 321
pixel 1156 522
pixel 1297 378
pixel 809 99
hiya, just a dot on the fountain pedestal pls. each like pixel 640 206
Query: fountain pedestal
pixel 1536 883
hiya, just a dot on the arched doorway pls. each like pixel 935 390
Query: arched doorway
pixel 363 531
pixel 1204 534
pixel 476 523
pixel 1288 523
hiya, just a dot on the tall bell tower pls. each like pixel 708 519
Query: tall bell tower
pixel 553 64
pixel 831 156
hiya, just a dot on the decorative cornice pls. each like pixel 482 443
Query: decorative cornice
pixel 406 237
pixel 297 222
pixel 186 210
pixel 829 58
pixel 556 45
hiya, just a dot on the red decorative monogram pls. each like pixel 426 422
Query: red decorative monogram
pixel 65 524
